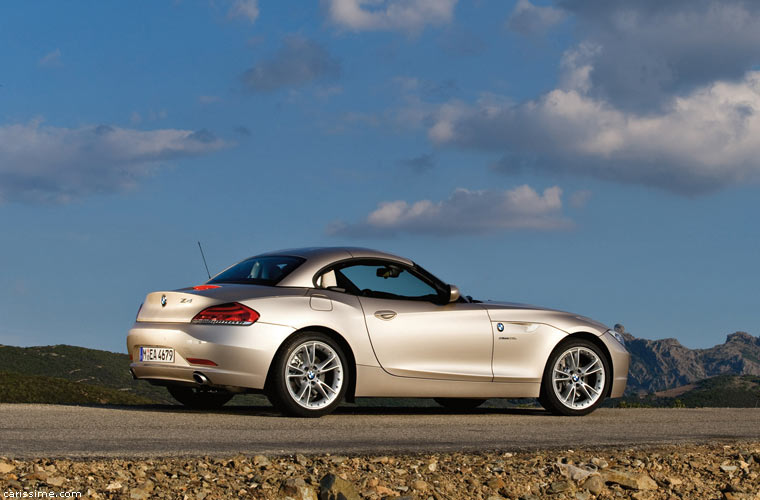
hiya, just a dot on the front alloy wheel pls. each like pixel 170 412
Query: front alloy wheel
pixel 310 376
pixel 576 378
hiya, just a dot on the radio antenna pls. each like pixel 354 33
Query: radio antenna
pixel 204 260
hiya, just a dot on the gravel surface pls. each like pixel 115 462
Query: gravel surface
pixel 33 431
pixel 712 471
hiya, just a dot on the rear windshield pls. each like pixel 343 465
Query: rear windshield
pixel 268 270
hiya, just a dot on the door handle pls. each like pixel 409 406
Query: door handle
pixel 385 314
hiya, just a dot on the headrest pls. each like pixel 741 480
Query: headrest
pixel 327 280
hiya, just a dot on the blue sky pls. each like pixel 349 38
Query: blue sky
pixel 597 156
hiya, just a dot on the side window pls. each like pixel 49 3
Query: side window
pixel 387 281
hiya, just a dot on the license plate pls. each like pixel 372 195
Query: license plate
pixel 157 354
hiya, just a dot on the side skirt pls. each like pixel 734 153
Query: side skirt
pixel 373 381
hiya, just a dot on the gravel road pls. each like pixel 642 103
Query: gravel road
pixel 28 431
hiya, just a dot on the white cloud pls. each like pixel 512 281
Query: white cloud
pixel 51 59
pixel 209 99
pixel 577 65
pixel 405 15
pixel 45 163
pixel 152 115
pixel 161 114
pixel 326 92
pixel 655 93
pixel 650 50
pixel 245 9
pixel 579 198
pixel 700 142
pixel 406 83
pixel 446 119
pixel 298 62
pixel 464 212
pixel 420 164
pixel 529 19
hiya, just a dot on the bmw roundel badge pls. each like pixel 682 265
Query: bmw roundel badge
pixel 163 301
pixel 500 327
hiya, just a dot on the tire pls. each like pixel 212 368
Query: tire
pixel 570 390
pixel 459 403
pixel 309 376
pixel 199 399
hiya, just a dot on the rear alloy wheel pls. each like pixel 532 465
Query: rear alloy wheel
pixel 459 403
pixel 309 377
pixel 199 398
pixel 576 378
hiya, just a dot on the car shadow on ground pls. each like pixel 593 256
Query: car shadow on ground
pixel 269 411
pixel 417 410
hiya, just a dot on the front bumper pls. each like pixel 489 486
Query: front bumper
pixel 242 353
pixel 621 358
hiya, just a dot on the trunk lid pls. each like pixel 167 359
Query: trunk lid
pixel 181 306
pixel 173 307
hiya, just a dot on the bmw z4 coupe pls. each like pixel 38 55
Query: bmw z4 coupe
pixel 311 327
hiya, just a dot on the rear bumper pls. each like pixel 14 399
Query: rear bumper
pixel 242 353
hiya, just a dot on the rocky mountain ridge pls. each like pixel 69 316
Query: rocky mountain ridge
pixel 657 365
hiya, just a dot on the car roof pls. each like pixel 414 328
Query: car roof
pixel 320 257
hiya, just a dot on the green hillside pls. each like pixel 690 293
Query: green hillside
pixel 723 391
pixel 91 367
pixel 77 375
pixel 18 388
pixel 738 391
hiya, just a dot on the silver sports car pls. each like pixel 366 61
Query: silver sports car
pixel 311 327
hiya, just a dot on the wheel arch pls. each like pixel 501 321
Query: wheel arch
pixel 594 339
pixel 340 340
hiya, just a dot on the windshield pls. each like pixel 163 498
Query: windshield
pixel 268 270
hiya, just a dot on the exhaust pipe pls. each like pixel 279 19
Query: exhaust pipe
pixel 132 372
pixel 200 378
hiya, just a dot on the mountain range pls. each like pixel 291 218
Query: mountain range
pixel 659 365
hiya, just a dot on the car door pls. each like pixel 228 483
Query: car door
pixel 415 333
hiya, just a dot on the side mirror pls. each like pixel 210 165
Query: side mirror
pixel 454 293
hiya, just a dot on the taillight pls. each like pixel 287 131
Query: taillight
pixel 227 314
pixel 205 287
